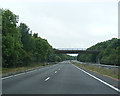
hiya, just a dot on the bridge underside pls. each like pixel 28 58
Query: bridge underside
pixel 76 52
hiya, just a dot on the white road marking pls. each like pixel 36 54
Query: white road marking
pixel 19 74
pixel 28 72
pixel 98 79
pixel 7 77
pixel 31 71
pixel 12 76
pixel 47 78
pixel 55 71
pixel 23 73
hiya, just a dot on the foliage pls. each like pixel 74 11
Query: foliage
pixel 20 47
pixel 108 53
pixel 11 39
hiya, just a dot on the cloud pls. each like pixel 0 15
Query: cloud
pixel 68 24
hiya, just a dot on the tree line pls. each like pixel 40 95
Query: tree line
pixel 109 52
pixel 20 47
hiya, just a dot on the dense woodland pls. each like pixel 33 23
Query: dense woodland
pixel 20 47
pixel 109 53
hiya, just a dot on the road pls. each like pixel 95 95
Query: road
pixel 63 78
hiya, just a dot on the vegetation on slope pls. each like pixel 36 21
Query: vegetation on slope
pixel 109 53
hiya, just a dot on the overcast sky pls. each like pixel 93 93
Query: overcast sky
pixel 68 24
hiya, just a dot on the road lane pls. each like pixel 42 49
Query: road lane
pixel 23 83
pixel 62 78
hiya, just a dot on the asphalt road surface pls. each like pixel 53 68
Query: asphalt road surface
pixel 62 78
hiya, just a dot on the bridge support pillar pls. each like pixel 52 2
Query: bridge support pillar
pixel 97 60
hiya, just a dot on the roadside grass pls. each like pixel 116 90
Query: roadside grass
pixel 10 71
pixel 112 73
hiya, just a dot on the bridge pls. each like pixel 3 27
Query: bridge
pixel 75 51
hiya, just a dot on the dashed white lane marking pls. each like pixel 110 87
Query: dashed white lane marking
pixel 23 73
pixel 98 79
pixel 47 78
pixel 55 71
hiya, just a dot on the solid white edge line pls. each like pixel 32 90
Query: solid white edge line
pixel 98 79
pixel 47 78
pixel 12 76
pixel 7 77
pixel 18 74
pixel 21 73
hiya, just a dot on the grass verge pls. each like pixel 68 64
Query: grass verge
pixel 111 73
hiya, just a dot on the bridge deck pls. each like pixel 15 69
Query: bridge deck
pixel 77 51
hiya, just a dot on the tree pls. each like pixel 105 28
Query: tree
pixel 58 59
pixel 20 48
pixel 109 52
pixel 11 39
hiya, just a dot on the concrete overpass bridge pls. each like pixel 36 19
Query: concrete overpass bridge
pixel 75 51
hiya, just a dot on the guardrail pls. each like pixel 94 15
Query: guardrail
pixel 101 65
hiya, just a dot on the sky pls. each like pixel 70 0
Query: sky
pixel 68 23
